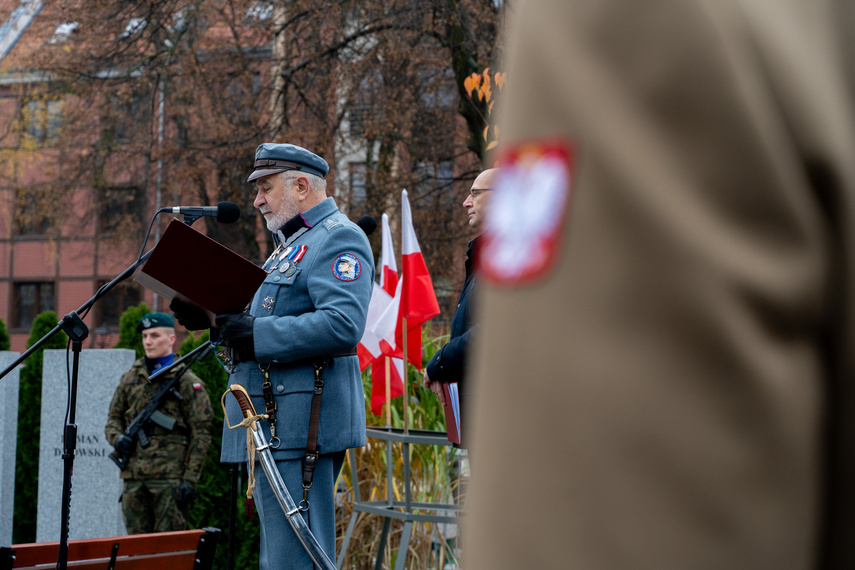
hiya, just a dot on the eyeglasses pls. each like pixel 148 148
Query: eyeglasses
pixel 475 192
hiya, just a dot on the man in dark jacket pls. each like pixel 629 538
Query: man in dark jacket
pixel 449 363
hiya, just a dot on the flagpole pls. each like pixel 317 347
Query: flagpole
pixel 387 362
pixel 406 378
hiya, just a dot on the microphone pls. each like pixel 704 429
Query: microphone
pixel 225 212
pixel 368 224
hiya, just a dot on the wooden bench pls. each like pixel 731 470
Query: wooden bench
pixel 180 550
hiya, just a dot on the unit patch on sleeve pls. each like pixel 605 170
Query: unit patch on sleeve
pixel 525 222
pixel 346 267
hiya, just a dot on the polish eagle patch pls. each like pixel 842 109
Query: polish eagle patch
pixel 525 222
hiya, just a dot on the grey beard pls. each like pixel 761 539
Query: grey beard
pixel 275 222
pixel 279 218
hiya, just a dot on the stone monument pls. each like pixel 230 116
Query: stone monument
pixel 8 441
pixel 95 485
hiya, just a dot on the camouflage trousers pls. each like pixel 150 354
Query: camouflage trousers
pixel 150 506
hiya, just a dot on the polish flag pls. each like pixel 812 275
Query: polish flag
pixel 385 325
pixel 369 348
pixel 418 300
pixel 379 350
pixel 373 349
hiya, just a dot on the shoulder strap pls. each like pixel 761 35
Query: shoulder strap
pixel 312 451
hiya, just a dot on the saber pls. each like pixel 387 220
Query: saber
pixel 265 457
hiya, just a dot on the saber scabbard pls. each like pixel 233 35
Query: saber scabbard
pixel 268 465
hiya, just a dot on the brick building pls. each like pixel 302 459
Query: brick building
pixel 55 253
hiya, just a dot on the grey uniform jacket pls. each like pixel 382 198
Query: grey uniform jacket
pixel 314 311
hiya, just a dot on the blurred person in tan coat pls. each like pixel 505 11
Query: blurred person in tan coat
pixel 672 349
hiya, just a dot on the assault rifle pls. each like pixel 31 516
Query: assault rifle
pixel 150 415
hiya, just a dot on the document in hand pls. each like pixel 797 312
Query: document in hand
pixel 188 264
pixel 452 411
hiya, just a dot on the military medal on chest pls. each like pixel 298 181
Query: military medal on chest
pixel 285 266
pixel 271 258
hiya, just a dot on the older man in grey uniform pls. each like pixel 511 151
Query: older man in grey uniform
pixel 307 316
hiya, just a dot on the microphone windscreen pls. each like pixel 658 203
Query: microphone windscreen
pixel 227 212
pixel 368 224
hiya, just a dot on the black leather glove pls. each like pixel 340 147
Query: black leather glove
pixel 186 494
pixel 236 330
pixel 124 444
pixel 191 317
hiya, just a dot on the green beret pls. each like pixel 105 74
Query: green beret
pixel 152 320
pixel 271 158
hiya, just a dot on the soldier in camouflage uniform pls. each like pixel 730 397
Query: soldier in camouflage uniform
pixel 160 480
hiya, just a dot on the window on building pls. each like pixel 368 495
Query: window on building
pixel 109 308
pixel 120 209
pixel 32 213
pixel 42 120
pixel 30 300
pixel 358 174
pixel 125 117
pixel 365 104
pixel 435 177
pixel 242 96
pixel 438 88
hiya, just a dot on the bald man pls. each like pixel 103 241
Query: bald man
pixel 449 363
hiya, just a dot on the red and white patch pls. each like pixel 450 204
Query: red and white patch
pixel 525 220
pixel 197 385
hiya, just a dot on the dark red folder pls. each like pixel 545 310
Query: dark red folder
pixel 452 412
pixel 188 264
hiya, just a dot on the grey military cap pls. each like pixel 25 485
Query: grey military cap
pixel 271 158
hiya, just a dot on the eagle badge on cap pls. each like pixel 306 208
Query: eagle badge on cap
pixel 527 212
pixel 346 267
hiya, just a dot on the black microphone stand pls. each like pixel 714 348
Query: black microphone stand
pixel 73 326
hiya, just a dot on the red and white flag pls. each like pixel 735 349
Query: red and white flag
pixel 418 300
pixel 388 322
pixel 369 348
pixel 373 349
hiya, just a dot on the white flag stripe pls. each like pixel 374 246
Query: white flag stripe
pixel 384 327
pixel 409 243
pixel 380 301
pixel 387 251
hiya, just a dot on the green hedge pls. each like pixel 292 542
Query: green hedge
pixel 128 335
pixel 5 342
